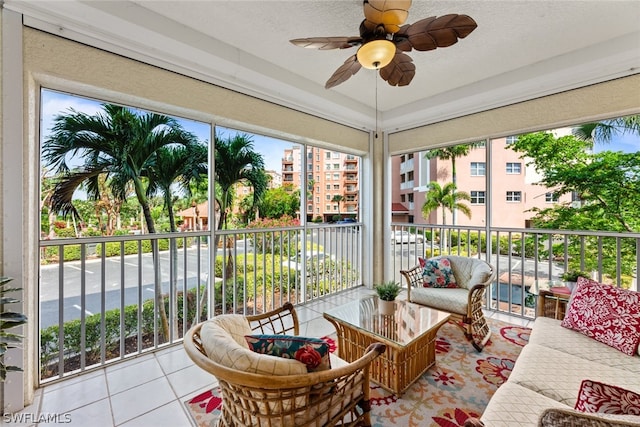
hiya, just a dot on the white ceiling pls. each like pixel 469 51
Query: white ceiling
pixel 520 50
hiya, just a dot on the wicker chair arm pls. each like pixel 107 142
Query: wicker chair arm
pixel 413 278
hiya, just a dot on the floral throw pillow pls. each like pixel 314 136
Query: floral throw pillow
pixel 437 273
pixel 605 313
pixel 313 352
pixel 608 399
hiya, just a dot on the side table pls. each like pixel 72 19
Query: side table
pixel 553 303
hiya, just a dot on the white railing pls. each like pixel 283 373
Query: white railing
pixel 523 256
pixel 104 299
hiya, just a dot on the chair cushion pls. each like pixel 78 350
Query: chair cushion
pixel 595 396
pixel 437 273
pixel 469 271
pixel 451 300
pixel 605 313
pixel 313 352
pixel 224 342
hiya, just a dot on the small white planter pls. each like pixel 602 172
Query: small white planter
pixel 386 308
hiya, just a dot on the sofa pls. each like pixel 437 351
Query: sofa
pixel 560 366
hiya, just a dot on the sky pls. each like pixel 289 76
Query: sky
pixel 55 103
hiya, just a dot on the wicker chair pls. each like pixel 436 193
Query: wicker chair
pixel 338 396
pixel 464 303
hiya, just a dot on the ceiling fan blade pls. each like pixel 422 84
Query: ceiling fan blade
pixel 390 13
pixel 400 70
pixel 327 43
pixel 434 32
pixel 342 74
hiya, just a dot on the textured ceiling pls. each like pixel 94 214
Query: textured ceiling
pixel 520 50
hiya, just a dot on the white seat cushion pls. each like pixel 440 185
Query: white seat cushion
pixel 452 300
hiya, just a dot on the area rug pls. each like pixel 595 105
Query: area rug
pixel 459 386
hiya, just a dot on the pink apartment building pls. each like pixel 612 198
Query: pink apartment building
pixel 329 173
pixel 514 189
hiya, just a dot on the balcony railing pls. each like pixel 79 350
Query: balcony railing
pixel 523 256
pixel 103 300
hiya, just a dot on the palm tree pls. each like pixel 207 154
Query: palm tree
pixel 117 147
pixel 452 153
pixel 183 164
pixel 605 131
pixel 116 143
pixel 338 198
pixel 447 198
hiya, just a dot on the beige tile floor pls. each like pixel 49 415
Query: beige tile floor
pixel 150 390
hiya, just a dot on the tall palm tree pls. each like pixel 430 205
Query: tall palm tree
pixel 182 164
pixel 605 131
pixel 338 198
pixel 452 153
pixel 117 146
pixel 236 162
pixel 116 143
pixel 447 198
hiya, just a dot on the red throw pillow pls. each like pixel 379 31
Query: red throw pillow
pixel 607 399
pixel 313 352
pixel 605 313
pixel 437 273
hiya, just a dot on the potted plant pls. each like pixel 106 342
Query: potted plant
pixel 571 278
pixel 387 293
pixel 8 320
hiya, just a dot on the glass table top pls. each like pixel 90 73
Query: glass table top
pixel 408 322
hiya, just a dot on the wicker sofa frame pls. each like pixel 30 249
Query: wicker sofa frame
pixel 339 396
pixel 472 321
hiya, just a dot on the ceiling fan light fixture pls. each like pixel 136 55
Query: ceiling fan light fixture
pixel 376 54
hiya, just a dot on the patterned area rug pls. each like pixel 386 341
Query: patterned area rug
pixel 459 386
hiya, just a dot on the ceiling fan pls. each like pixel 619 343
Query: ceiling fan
pixel 383 41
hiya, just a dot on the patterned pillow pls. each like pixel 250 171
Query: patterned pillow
pixel 605 313
pixel 608 399
pixel 437 273
pixel 313 352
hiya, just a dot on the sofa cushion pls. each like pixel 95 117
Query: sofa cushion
pixel 548 332
pixel 451 300
pixel 608 314
pixel 515 405
pixel 437 273
pixel 223 341
pixel 555 417
pixel 609 399
pixel 558 375
pixel 313 352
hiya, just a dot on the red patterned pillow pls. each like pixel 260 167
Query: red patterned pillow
pixel 437 273
pixel 607 399
pixel 313 352
pixel 605 313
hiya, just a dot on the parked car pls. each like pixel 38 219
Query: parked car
pixel 405 237
pixel 313 259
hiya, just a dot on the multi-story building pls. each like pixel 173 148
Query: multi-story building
pixel 515 187
pixel 332 181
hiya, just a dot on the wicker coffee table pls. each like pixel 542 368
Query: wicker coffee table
pixel 409 333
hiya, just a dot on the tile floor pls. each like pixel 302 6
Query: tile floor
pixel 150 390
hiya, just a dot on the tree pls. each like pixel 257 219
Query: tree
pixel 447 198
pixel 338 198
pixel 452 153
pixel 184 165
pixel 608 183
pixel 603 132
pixel 278 202
pixel 116 143
pixel 236 162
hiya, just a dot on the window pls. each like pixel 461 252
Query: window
pixel 327 196
pixel 477 197
pixel 514 168
pixel 514 196
pixel 327 166
pixel 410 197
pixel 328 187
pixel 309 177
pixel 402 198
pixel 336 187
pixel 336 176
pixel 336 166
pixel 317 168
pixel 328 155
pixel 551 197
pixel 336 155
pixel 511 139
pixel 410 176
pixel 478 169
pixel 409 156
pixel 327 177
pixel 327 208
